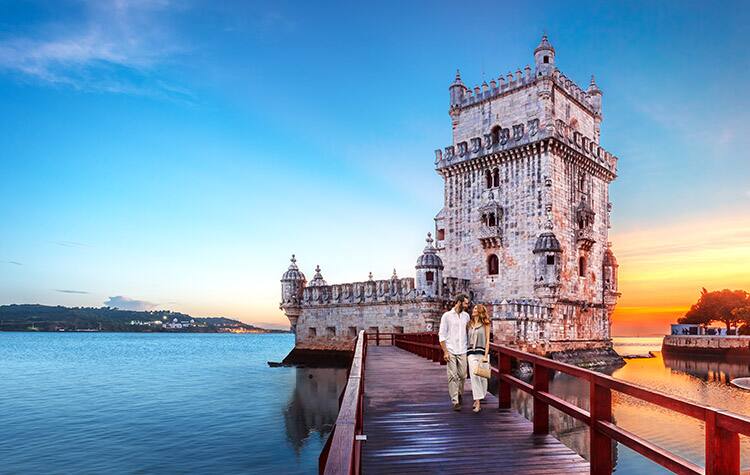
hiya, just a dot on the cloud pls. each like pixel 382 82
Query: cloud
pixel 70 244
pixel 126 303
pixel 113 46
pixel 15 263
pixel 66 291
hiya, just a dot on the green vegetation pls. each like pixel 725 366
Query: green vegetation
pixel 730 307
pixel 35 317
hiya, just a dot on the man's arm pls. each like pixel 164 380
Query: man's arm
pixel 442 336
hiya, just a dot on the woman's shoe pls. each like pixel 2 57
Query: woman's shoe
pixel 477 408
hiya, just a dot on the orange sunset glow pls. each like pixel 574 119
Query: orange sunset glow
pixel 663 269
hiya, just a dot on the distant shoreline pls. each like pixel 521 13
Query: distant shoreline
pixel 58 319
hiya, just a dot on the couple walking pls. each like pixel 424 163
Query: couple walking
pixel 465 341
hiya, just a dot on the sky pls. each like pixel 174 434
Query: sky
pixel 173 155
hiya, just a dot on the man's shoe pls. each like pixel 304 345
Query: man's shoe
pixel 456 406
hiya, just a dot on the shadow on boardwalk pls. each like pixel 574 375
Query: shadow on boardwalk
pixel 411 428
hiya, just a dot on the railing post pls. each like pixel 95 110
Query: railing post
pixel 541 409
pixel 600 446
pixel 722 447
pixel 503 388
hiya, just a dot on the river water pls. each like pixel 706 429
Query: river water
pixel 208 403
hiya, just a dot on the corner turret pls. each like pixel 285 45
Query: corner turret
pixel 595 95
pixel 429 271
pixel 457 90
pixel 544 57
pixel 292 285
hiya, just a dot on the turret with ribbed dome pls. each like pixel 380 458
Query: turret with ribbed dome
pixel 429 271
pixel 292 285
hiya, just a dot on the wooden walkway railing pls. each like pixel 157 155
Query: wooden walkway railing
pixel 722 432
pixel 342 452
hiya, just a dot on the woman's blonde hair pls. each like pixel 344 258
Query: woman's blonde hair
pixel 481 314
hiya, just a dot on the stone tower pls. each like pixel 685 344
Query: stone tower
pixel 526 206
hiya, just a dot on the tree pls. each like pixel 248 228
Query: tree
pixel 718 306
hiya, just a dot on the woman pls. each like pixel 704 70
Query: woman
pixel 479 350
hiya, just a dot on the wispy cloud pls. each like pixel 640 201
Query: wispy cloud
pixel 70 244
pixel 115 46
pixel 66 291
pixel 15 263
pixel 126 303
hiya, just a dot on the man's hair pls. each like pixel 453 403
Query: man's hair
pixel 459 298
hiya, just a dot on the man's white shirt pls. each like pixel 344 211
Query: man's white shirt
pixel 453 331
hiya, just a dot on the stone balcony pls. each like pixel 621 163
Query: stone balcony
pixel 585 238
pixel 490 236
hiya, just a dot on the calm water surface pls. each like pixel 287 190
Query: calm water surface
pixel 703 380
pixel 188 403
pixel 160 403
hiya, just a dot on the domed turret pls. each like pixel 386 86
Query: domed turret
pixel 595 95
pixel 544 57
pixel 547 242
pixel 429 271
pixel 610 270
pixel 547 264
pixel 457 90
pixel 292 285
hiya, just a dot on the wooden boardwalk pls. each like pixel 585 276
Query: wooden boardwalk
pixel 411 427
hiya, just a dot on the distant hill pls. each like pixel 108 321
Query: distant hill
pixel 36 317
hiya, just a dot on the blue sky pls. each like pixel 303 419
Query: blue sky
pixel 173 155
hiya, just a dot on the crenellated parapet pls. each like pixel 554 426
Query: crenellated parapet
pixel 517 135
pixel 370 291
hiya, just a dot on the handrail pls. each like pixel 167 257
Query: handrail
pixel 722 447
pixel 342 451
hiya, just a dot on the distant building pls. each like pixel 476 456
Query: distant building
pixel 523 226
pixel 178 323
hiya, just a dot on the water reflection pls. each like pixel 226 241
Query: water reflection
pixel 313 404
pixel 709 369
pixel 703 380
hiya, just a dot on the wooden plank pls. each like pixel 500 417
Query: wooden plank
pixel 411 427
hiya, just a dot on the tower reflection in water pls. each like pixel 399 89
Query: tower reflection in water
pixel 313 404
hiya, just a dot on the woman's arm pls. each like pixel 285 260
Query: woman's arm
pixel 486 343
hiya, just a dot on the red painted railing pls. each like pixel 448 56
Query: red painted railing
pixel 342 451
pixel 722 427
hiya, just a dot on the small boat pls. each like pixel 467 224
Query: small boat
pixel 742 383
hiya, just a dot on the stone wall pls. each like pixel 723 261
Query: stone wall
pixel 707 345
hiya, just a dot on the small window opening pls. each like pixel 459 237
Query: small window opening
pixel 550 260
pixel 440 234
pixel 312 332
pixel 546 59
pixel 581 266
pixel 429 276
pixel 493 266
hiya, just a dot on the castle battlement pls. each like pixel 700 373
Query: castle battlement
pixel 518 135
pixel 514 83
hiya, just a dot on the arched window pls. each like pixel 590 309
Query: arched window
pixel 491 221
pixel 429 276
pixel 495 177
pixel 493 266
pixel 546 60
pixel 488 178
pixel 581 266
pixel 495 133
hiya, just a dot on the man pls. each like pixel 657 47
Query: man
pixel 452 337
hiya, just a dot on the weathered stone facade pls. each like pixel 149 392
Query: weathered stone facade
pixel 523 227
